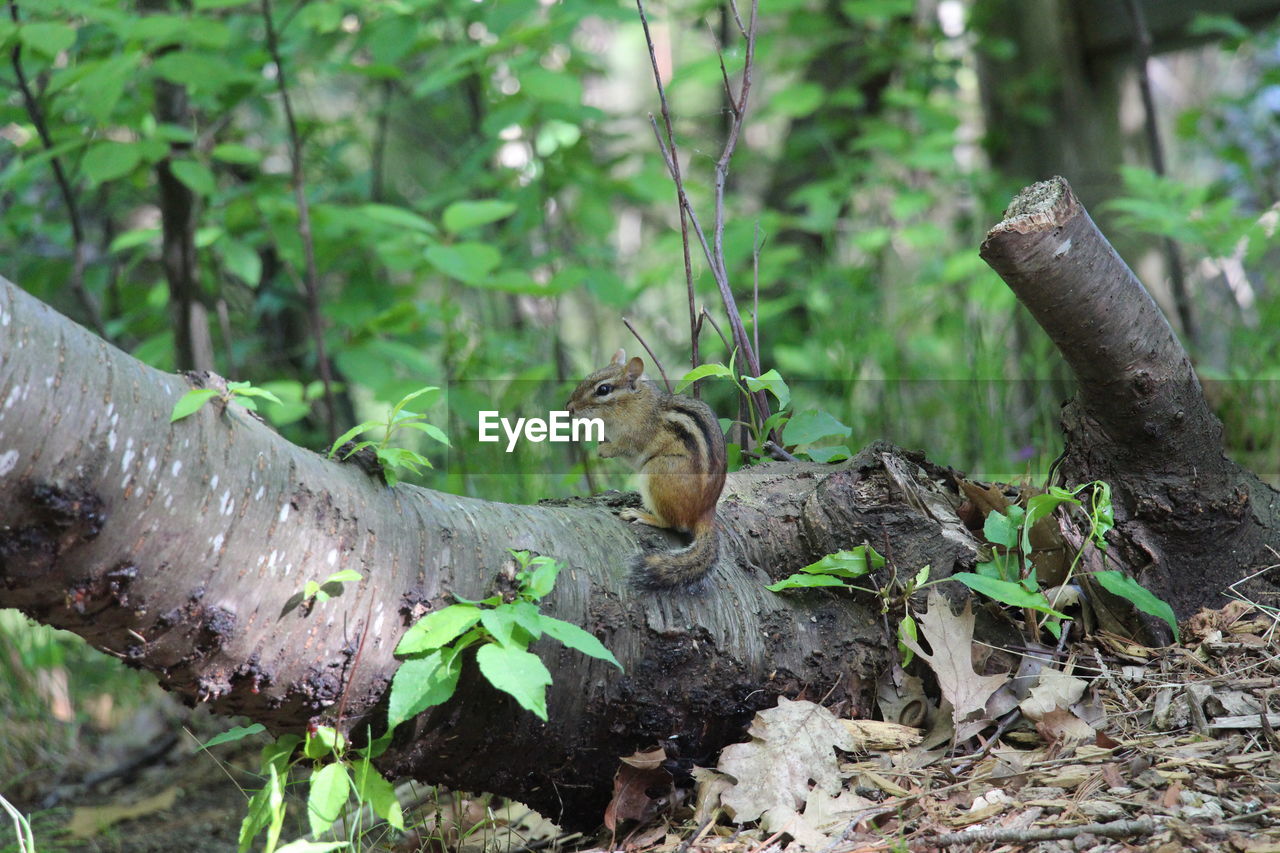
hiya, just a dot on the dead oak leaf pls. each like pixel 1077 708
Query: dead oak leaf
pixel 951 638
pixel 790 746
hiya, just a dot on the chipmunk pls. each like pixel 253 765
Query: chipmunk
pixel 677 446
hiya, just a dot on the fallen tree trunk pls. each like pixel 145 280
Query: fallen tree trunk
pixel 183 549
pixel 1189 521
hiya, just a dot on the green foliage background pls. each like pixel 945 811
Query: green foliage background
pixel 488 202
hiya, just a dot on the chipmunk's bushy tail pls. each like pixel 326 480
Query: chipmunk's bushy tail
pixel 665 569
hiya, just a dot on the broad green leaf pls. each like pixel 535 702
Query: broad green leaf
pixel 467 262
pixel 555 87
pixel 195 175
pixel 577 638
pixel 462 215
pixel 810 425
pixel 321 742
pixel 241 155
pixel 422 682
pixel 847 564
pixel 238 733
pixel 1007 592
pixel 702 371
pixel 399 217
pixel 1000 529
pixel 772 382
pixel 805 581
pixel 370 787
pixel 242 261
pixel 136 237
pixel 907 628
pixel 517 672
pixel 1138 595
pixel 344 576
pixel 106 161
pixel 47 38
pixel 501 623
pixel 528 617
pixel 827 454
pixel 541 576
pixel 437 628
pixel 431 430
pixel 191 402
pixel 248 389
pixel 330 787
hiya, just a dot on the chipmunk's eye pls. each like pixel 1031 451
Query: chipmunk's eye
pixel 603 388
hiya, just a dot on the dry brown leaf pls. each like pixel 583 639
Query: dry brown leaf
pixel 711 786
pixel 951 638
pixel 631 786
pixel 1054 690
pixel 790 745
pixel 1064 727
pixel 88 821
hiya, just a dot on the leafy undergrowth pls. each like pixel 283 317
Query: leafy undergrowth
pixel 1107 746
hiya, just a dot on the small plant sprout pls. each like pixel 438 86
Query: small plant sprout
pixel 244 393
pixel 501 631
pixel 320 592
pixel 399 418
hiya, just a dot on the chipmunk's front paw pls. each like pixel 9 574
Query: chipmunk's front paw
pixel 638 516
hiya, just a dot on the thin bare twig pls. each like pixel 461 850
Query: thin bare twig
pixel 1113 829
pixel 656 363
pixel 1173 253
pixel 79 246
pixel 672 156
pixel 312 278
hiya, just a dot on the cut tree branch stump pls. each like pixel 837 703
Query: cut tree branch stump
pixel 1189 522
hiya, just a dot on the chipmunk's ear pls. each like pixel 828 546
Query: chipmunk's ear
pixel 619 357
pixel 635 369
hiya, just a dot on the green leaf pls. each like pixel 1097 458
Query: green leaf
pixel 431 430
pixel 398 217
pixel 350 434
pixel 248 389
pixel 330 787
pixel 344 576
pixel 702 371
pixel 191 402
pixel 47 38
pixel 421 683
pixel 551 86
pixel 106 161
pixel 1007 592
pixel 302 845
pixel 195 175
pixel 518 673
pixel 241 155
pixel 805 581
pixel 827 454
pixel 467 262
pixel 238 733
pixel 437 628
pixel 501 623
pixel 136 237
pixel 577 638
pixel 772 382
pixel 907 628
pixel 371 788
pixel 1139 596
pixel 1000 529
pixel 241 261
pixel 540 578
pixel 462 215
pixel 810 425
pixel 847 564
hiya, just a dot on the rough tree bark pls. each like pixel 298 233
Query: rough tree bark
pixel 1189 522
pixel 182 548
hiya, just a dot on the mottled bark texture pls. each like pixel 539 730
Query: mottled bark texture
pixel 1189 522
pixel 183 549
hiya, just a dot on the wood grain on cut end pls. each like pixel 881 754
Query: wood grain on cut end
pixel 1042 206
